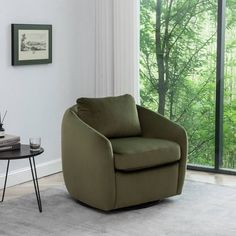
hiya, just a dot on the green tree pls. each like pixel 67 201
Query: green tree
pixel 178 61
pixel 229 151
pixel 178 67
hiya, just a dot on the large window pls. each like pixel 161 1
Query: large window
pixel 229 134
pixel 178 73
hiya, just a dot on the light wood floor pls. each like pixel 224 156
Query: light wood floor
pixel 57 180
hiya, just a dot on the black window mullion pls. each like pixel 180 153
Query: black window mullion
pixel 220 84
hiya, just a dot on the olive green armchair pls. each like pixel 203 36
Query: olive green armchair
pixel 117 154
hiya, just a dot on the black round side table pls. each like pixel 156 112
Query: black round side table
pixel 22 153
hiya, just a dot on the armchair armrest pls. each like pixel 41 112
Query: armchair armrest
pixel 154 125
pixel 87 161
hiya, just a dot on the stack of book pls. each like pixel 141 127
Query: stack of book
pixel 9 142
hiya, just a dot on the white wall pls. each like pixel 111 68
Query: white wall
pixel 36 96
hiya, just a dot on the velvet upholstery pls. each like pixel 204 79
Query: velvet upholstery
pixel 149 185
pixel 154 125
pixel 110 173
pixel 111 116
pixel 137 153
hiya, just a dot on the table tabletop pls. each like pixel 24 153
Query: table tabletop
pixel 23 152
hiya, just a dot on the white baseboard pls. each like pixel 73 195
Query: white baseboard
pixel 23 175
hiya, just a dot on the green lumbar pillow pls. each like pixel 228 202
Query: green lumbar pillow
pixel 111 116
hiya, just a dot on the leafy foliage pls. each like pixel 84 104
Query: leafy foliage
pixel 178 71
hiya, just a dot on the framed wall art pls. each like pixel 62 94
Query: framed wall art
pixel 31 44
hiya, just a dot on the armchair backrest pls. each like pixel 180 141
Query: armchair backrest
pixel 111 116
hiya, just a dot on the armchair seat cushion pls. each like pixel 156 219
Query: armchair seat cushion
pixel 136 153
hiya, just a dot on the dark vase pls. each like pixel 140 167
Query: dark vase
pixel 2 131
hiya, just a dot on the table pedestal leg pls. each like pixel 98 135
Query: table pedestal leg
pixel 5 182
pixel 35 180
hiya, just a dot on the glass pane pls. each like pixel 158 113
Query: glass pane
pixel 229 149
pixel 177 68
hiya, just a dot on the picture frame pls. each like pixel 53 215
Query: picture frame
pixel 31 44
